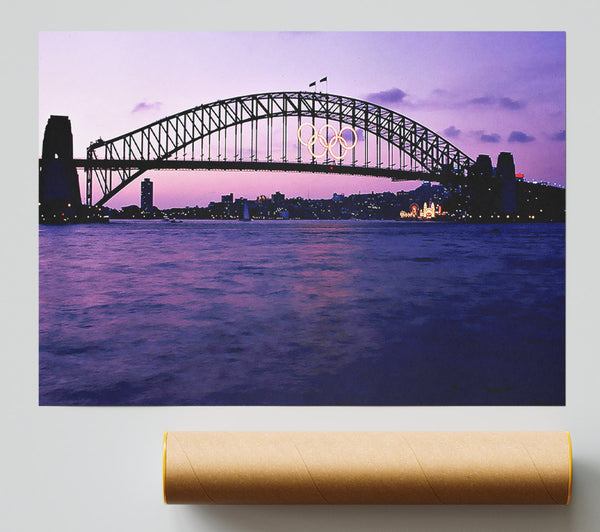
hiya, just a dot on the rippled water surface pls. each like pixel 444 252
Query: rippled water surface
pixel 302 313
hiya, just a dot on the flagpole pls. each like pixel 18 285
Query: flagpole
pixel 326 84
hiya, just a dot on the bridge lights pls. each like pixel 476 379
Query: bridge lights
pixel 320 136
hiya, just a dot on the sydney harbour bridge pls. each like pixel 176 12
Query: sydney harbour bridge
pixel 276 131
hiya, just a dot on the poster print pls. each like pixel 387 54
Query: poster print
pixel 302 218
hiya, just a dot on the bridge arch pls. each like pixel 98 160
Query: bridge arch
pixel 189 139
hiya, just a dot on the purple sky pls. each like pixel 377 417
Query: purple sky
pixel 484 92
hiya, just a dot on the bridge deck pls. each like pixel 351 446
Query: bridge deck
pixel 394 175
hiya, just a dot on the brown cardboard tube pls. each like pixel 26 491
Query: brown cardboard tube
pixel 367 467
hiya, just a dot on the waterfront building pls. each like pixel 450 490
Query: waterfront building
pixel 428 211
pixel 146 201
pixel 278 198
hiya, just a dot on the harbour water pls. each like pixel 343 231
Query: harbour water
pixel 302 313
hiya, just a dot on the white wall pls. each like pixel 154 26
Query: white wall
pixel 99 469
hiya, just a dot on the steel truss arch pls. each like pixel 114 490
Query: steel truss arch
pixel 151 146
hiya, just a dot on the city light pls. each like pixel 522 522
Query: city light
pixel 426 213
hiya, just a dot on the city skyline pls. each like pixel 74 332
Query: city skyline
pixel 484 92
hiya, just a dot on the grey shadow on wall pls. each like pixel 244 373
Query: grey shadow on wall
pixel 576 517
pixel 424 518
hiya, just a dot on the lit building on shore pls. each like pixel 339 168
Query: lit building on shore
pixel 426 213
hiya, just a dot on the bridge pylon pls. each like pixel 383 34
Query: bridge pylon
pixel 59 193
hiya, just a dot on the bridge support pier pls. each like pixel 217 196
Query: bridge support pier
pixel 505 171
pixel 59 194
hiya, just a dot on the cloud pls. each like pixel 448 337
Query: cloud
pixel 393 95
pixel 519 136
pixel 504 102
pixel 491 137
pixel 509 103
pixel 561 136
pixel 143 106
pixel 443 99
pixel 451 132
pixel 482 100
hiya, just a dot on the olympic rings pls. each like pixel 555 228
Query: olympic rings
pixel 322 138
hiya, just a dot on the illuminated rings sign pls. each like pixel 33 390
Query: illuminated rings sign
pixel 319 141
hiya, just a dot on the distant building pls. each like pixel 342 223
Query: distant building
pixel 278 198
pixel 146 202
pixel 429 211
pixel 227 198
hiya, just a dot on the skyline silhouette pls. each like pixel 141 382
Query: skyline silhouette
pixel 486 92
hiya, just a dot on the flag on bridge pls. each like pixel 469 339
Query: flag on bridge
pixel 312 84
pixel 323 79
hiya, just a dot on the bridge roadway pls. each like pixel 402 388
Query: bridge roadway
pixel 168 164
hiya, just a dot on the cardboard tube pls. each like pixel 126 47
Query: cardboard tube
pixel 367 467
